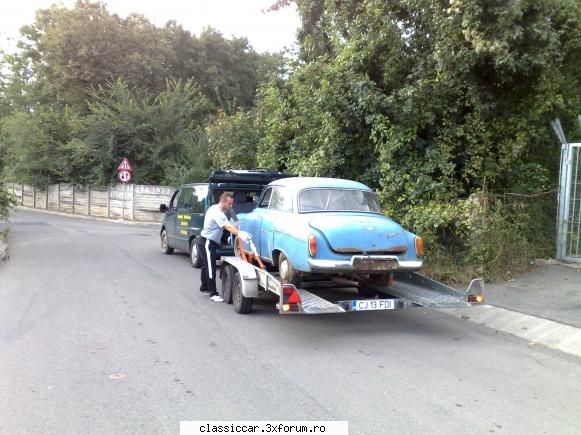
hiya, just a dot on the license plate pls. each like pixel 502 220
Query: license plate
pixel 373 304
pixel 366 264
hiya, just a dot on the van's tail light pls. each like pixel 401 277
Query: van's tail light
pixel 291 300
pixel 419 246
pixel 312 245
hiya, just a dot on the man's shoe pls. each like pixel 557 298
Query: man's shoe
pixel 203 290
pixel 216 298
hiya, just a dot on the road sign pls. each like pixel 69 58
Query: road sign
pixel 125 165
pixel 124 176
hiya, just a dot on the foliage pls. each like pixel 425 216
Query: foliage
pixel 7 201
pixel 41 147
pixel 87 88
pixel 234 140
pixel 68 51
pixel 431 103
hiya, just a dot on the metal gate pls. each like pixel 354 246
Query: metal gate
pixel 569 223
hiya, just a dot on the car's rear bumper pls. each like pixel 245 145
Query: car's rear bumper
pixel 365 263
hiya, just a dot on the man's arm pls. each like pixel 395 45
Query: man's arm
pixel 231 228
pixel 232 214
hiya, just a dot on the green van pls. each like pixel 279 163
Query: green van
pixel 184 216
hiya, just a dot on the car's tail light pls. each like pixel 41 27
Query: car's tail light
pixel 419 246
pixel 312 245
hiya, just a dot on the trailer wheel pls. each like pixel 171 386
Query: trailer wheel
pixel 227 283
pixel 242 305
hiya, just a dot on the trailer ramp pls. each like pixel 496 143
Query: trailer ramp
pixel 426 292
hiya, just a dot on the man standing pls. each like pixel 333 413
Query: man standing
pixel 215 222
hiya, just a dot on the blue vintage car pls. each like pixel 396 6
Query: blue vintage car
pixel 309 227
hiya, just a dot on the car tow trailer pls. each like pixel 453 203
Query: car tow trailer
pixel 244 278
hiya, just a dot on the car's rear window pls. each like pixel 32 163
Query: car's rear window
pixel 316 200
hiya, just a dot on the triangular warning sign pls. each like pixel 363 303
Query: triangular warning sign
pixel 125 165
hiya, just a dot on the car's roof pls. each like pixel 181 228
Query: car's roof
pixel 300 183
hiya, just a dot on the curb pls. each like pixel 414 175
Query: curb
pixel 81 216
pixel 535 330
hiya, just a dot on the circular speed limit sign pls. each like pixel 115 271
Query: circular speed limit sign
pixel 124 176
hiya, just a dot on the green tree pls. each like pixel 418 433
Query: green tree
pixel 431 103
pixel 234 140
pixel 41 147
pixel 149 130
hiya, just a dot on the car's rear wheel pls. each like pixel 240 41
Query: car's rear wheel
pixel 165 248
pixel 195 257
pixel 288 274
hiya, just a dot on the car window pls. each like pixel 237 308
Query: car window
pixel 186 199
pixel 244 200
pixel 281 200
pixel 265 198
pixel 316 200
pixel 200 193
pixel 174 200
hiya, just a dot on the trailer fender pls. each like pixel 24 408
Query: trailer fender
pixel 248 274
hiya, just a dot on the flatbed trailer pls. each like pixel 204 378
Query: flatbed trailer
pixel 243 281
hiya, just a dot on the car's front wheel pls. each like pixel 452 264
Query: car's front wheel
pixel 288 274
pixel 165 248
pixel 195 257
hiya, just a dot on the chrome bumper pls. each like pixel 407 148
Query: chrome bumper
pixel 366 263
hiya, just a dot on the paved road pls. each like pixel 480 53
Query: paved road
pixel 102 334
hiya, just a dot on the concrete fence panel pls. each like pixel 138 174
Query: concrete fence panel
pixel 138 203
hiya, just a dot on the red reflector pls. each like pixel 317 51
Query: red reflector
pixel 475 299
pixel 290 295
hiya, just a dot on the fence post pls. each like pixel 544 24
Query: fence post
pixel 33 197
pixel 89 201
pixel 133 202
pixel 22 194
pixel 58 198
pixel 46 199
pixel 108 200
pixel 73 198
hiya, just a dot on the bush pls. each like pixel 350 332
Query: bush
pixel 485 235
pixel 7 201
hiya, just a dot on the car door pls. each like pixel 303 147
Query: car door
pixel 255 226
pixel 170 220
pixel 279 208
pixel 198 209
pixel 184 216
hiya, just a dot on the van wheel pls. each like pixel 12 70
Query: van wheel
pixel 288 274
pixel 165 248
pixel 242 305
pixel 195 257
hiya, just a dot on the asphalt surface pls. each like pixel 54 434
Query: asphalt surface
pixel 102 334
pixel 551 291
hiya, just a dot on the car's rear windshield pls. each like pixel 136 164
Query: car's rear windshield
pixel 317 200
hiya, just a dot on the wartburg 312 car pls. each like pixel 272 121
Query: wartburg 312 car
pixel 308 227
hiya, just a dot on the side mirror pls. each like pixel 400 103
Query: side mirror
pixel 255 200
pixel 163 208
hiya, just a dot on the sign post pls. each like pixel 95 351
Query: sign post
pixel 124 175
